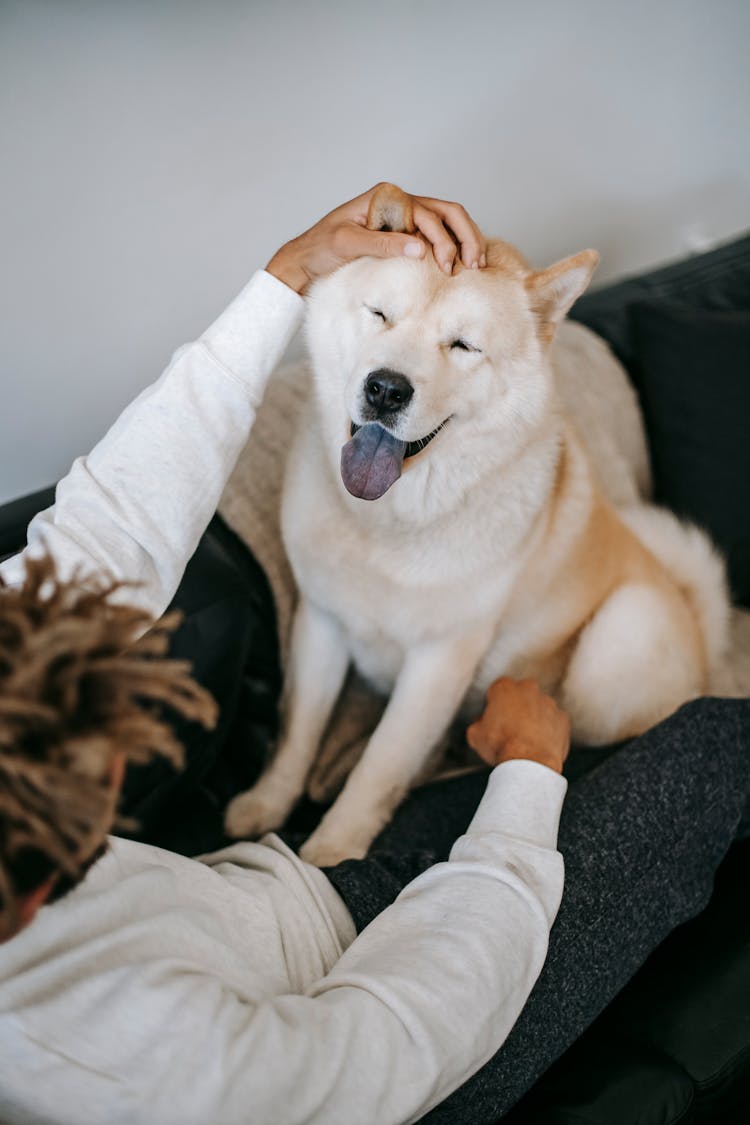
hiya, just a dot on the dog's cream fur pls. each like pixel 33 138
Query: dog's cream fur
pixel 495 553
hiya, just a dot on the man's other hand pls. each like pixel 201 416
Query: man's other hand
pixel 520 721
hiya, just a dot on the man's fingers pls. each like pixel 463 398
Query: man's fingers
pixel 431 226
pixel 466 232
pixel 354 241
pixel 476 736
pixel 468 235
pixel 445 225
pixel 504 687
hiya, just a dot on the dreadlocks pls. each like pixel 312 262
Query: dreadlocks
pixel 80 683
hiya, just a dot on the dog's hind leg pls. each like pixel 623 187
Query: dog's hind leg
pixel 638 660
pixel 318 660
pixel 428 693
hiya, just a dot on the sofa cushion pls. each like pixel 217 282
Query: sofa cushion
pixel 718 280
pixel 692 372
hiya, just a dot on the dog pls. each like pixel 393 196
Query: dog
pixel 445 525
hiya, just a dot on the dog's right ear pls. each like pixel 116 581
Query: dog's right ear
pixel 390 209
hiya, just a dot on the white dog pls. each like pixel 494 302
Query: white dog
pixel 445 527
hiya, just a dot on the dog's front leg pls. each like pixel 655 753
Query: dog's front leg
pixel 318 660
pixel 432 683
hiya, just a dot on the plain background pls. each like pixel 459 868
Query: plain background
pixel 155 152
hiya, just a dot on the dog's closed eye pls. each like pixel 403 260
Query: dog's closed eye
pixel 461 345
pixel 378 313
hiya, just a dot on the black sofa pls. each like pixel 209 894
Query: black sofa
pixel 675 1044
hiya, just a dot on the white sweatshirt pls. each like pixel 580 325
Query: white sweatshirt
pixel 165 990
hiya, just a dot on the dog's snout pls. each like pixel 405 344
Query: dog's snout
pixel 387 391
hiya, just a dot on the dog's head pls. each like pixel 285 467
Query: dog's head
pixel 414 368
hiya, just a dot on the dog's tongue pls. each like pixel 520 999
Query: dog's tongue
pixel 371 462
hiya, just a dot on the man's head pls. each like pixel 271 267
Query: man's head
pixel 81 687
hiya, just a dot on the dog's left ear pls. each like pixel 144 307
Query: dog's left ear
pixel 390 209
pixel 553 291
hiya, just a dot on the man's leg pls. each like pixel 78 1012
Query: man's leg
pixel 642 835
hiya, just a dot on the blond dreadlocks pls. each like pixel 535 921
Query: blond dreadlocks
pixel 80 683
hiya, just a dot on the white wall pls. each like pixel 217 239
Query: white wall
pixel 154 152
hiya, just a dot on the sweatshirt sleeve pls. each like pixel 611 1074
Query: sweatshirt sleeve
pixel 136 506
pixel 419 1001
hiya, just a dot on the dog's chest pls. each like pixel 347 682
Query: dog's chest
pixel 389 592
pixel 403 591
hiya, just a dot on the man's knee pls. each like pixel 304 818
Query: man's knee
pixel 726 721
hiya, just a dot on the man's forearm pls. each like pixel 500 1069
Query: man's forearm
pixel 136 506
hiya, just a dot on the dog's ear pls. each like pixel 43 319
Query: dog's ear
pixel 390 209
pixel 553 291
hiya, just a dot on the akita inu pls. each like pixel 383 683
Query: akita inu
pixel 445 526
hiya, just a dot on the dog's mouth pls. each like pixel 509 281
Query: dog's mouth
pixel 372 459
pixel 411 448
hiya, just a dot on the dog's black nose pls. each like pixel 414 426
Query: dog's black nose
pixel 387 391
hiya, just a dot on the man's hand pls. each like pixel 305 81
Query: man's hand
pixel 520 721
pixel 342 236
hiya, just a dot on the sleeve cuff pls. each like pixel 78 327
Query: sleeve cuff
pixel 524 800
pixel 251 335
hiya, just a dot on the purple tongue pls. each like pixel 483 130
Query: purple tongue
pixel 371 462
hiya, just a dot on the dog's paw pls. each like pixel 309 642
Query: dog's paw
pixel 324 852
pixel 253 813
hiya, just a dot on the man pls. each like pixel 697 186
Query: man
pixel 163 989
